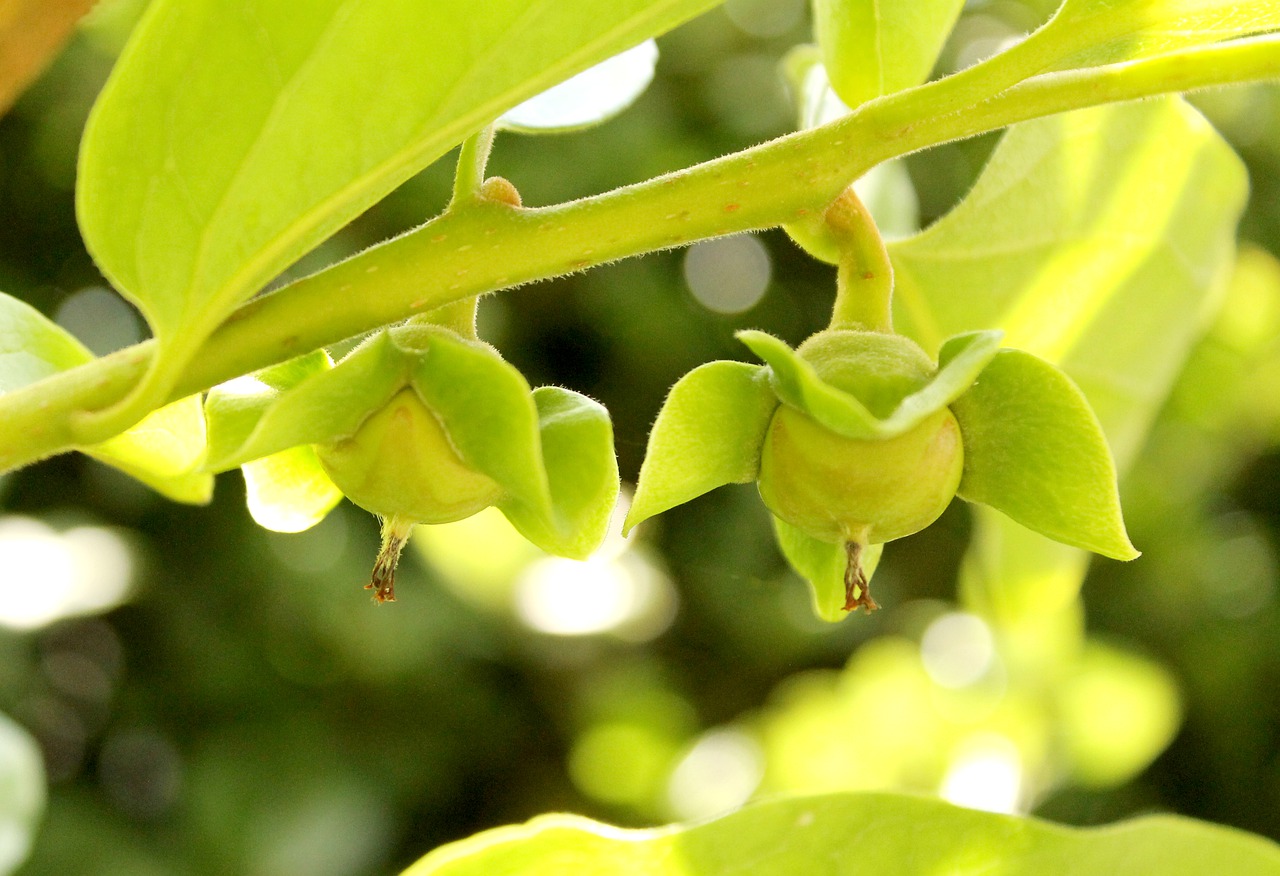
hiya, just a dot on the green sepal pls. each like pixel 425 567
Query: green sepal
pixel 486 408
pixel 797 384
pixel 289 491
pixel 233 409
pixel 708 433
pixel 582 471
pixel 162 451
pixel 330 404
pixel 1034 450
pixel 822 564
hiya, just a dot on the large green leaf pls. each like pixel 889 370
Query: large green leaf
pixel 1034 449
pixel 162 451
pixel 22 793
pixel 872 48
pixel 1098 241
pixel 708 434
pixel 852 835
pixel 582 471
pixel 235 135
pixel 1087 32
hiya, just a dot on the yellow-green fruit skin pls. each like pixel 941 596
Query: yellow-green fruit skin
pixel 401 463
pixel 840 489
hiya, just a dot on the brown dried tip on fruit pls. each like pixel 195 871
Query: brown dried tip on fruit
pixel 855 578
pixel 395 533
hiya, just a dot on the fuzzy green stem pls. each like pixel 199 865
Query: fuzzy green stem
pixel 864 277
pixel 473 158
pixel 494 245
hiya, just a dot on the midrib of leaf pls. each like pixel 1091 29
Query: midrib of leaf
pixel 399 166
pixel 217 303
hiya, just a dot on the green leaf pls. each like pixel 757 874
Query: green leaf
pixel 1034 449
pixel 232 137
pixel 856 835
pixel 822 564
pixel 1089 32
pixel 708 433
pixel 161 451
pixel 488 412
pixel 289 491
pixel 593 96
pixel 798 384
pixel 577 452
pixel 1097 240
pixel 32 347
pixel 248 419
pixel 871 48
pixel 22 793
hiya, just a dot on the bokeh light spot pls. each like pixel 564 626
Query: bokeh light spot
pixel 957 649
pixel 102 320
pixel 986 773
pixel 620 762
pixel 720 773
pixel 49 575
pixel 728 275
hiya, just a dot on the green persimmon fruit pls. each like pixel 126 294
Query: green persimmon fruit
pixel 401 464
pixel 861 491
pixel 840 489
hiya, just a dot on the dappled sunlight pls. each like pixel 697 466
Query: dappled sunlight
pixel 985 773
pixel 627 596
pixel 619 589
pixel 48 575
pixel 718 774
pixel 957 649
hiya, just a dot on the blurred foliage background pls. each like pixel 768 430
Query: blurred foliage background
pixel 210 697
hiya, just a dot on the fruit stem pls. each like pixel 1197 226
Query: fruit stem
pixel 855 578
pixel 864 274
pixel 395 533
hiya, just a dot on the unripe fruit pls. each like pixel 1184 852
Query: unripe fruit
pixel 400 463
pixel 854 491
pixel 841 489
